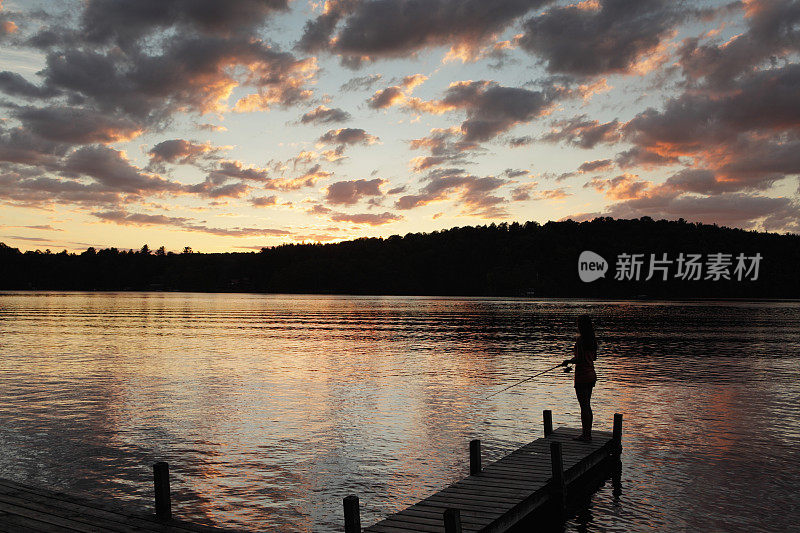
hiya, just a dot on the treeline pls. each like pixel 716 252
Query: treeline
pixel 503 260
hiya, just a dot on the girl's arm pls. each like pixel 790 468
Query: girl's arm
pixel 574 356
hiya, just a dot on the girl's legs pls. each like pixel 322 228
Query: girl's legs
pixel 584 394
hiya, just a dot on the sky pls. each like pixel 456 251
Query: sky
pixel 230 126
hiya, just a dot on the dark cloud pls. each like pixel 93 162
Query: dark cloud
pixel 264 201
pixel 207 189
pixel 317 32
pixel 529 191
pixel 583 132
pixel 237 170
pixel 639 156
pixel 18 145
pixel 319 209
pixel 142 219
pixel 211 127
pixel 622 187
pixel 311 237
pixel 113 170
pixel 697 180
pixel 772 31
pixel 446 146
pixel 764 100
pixel 193 73
pixel 396 93
pixel 124 22
pixel 360 83
pixel 111 177
pixel 492 108
pixel 759 162
pixel 26 188
pixel 180 151
pixel 603 37
pixel 730 209
pixel 13 84
pixel 50 37
pixel 309 178
pixel 76 125
pixel 597 164
pixel 521 193
pixel 514 173
pixel 32 239
pixel 370 219
pixel 748 135
pixel 385 98
pixel 231 169
pixel 517 142
pixel 472 193
pixel 552 194
pixel 217 182
pixel 348 136
pixel 47 227
pixel 325 115
pixel 560 177
pixel 395 28
pixel 228 181
pixel 151 58
pixel 114 179
pixel 350 192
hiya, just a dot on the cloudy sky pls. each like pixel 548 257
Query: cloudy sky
pixel 247 123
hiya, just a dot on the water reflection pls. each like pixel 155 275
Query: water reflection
pixel 270 409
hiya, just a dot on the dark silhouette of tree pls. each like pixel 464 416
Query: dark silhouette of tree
pixel 498 259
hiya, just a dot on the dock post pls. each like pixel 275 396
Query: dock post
pixel 474 457
pixel 547 414
pixel 352 514
pixel 616 476
pixel 558 488
pixel 161 480
pixel 617 434
pixel 452 521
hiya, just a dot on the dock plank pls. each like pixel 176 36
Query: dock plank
pixel 24 508
pixel 506 490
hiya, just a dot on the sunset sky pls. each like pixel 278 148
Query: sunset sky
pixel 229 126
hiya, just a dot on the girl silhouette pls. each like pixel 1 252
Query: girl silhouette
pixel 585 353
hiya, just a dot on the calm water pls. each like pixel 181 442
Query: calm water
pixel 270 409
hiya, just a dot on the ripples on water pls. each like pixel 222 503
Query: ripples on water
pixel 271 408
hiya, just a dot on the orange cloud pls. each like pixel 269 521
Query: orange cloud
pixel 623 187
pixel 290 89
pixel 396 94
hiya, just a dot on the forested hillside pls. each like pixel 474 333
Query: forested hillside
pixel 508 260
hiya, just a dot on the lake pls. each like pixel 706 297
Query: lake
pixel 270 409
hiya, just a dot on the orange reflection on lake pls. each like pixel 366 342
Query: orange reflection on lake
pixel 270 409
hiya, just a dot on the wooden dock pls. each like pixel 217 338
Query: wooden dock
pixel 533 479
pixel 27 509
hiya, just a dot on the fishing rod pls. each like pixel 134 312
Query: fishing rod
pixel 567 369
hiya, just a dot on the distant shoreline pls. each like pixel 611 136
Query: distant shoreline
pixel 5 292
pixel 639 259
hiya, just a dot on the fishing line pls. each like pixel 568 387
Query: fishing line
pixel 567 369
